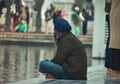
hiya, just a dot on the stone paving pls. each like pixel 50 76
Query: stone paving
pixel 37 37
pixel 96 75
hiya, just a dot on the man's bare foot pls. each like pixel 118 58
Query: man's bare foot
pixel 49 76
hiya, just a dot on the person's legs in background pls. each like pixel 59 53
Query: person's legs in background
pixel 108 52
pixel 84 28
pixel 112 62
pixel 115 63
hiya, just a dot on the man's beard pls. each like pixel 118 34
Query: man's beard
pixel 57 37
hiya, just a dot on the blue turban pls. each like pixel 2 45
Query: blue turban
pixel 61 25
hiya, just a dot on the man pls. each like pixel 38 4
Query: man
pixel 70 61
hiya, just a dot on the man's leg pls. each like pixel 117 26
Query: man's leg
pixel 53 69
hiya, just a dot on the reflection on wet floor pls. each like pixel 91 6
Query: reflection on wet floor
pixel 96 75
pixel 20 62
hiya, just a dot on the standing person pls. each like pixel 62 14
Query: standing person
pixel 76 20
pixel 27 15
pixel 15 20
pixel 57 13
pixel 48 18
pixel 52 8
pixel 115 37
pixel 84 25
pixel 108 52
pixel 70 61
pixel 22 14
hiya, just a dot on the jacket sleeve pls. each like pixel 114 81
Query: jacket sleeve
pixel 63 51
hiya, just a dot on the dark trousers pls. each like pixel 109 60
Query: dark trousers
pixel 108 52
pixel 116 59
pixel 84 29
pixel 52 68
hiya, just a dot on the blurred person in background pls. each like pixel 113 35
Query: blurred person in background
pixel 15 19
pixel 21 27
pixel 76 20
pixel 115 37
pixel 83 16
pixel 108 52
pixel 27 15
pixel 48 19
pixel 57 13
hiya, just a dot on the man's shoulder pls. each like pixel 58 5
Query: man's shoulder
pixel 69 37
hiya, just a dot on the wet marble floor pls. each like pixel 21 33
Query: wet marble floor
pixel 96 75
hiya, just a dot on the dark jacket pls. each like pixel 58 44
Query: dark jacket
pixel 72 56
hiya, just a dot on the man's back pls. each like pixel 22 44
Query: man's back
pixel 72 56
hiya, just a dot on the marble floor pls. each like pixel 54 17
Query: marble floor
pixel 96 75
